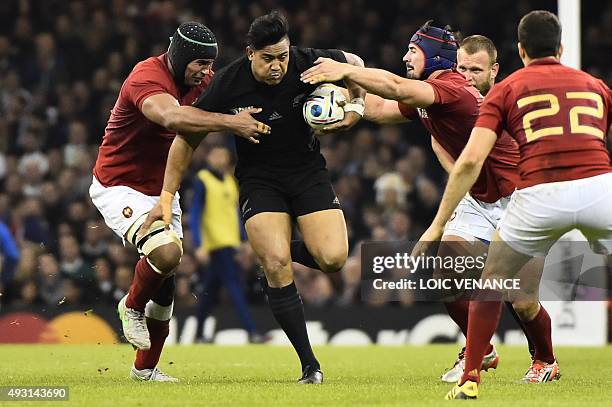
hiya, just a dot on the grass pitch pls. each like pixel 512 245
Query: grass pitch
pixel 265 375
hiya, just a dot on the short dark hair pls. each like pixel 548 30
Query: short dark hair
pixel 539 33
pixel 267 30
pixel 477 43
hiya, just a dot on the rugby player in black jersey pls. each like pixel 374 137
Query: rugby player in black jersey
pixel 282 175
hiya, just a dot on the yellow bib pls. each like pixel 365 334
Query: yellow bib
pixel 220 227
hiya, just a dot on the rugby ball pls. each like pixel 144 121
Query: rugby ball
pixel 321 107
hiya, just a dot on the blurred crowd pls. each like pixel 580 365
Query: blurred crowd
pixel 62 64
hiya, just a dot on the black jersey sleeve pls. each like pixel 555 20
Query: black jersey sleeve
pixel 211 99
pixel 305 57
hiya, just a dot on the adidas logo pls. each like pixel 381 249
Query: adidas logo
pixel 245 208
pixel 275 116
pixel 336 201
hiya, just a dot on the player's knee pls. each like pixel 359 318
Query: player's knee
pixel 274 263
pixel 277 267
pixel 166 258
pixel 332 262
pixel 526 310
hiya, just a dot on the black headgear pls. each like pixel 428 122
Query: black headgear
pixel 191 41
pixel 438 45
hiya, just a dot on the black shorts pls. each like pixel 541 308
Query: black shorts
pixel 296 194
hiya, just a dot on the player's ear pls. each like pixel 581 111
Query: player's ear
pixel 494 70
pixel 250 53
pixel 560 51
pixel 521 51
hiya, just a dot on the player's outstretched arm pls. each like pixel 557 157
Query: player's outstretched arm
pixel 378 81
pixel 355 107
pixel 165 110
pixel 179 158
pixel 462 178
pixel 382 111
pixel 379 110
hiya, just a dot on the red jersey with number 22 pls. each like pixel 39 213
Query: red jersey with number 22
pixel 558 115
pixel 134 150
pixel 450 120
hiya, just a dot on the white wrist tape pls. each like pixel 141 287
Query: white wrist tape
pixel 356 105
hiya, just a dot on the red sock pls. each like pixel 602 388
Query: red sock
pixel 146 283
pixel 483 320
pixel 158 332
pixel 458 311
pixel 540 332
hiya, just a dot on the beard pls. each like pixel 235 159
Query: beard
pixel 411 73
pixel 484 87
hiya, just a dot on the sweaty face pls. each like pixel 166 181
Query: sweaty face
pixel 477 69
pixel 197 70
pixel 269 64
pixel 415 62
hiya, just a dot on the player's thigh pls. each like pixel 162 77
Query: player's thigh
pixel 270 236
pixel 503 261
pixel 473 221
pixel 122 206
pixel 325 236
pixel 535 219
pixel 321 221
pixel 595 219
pixel 463 251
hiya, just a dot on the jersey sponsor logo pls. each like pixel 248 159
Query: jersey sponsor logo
pixel 275 116
pixel 299 100
pixel 237 110
pixel 422 113
pixel 127 212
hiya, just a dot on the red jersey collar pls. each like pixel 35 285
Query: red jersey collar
pixel 545 61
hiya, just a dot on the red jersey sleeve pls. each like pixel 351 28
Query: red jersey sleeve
pixel 446 91
pixel 407 111
pixel 145 83
pixel 491 114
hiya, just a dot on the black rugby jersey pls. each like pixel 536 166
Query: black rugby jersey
pixel 292 144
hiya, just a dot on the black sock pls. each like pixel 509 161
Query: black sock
pixel 286 305
pixel 300 254
pixel 520 323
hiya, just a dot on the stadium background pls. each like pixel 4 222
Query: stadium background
pixel 61 66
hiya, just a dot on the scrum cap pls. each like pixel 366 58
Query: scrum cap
pixel 190 41
pixel 439 46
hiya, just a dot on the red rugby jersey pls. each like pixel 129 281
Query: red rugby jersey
pixel 134 150
pixel 450 120
pixel 558 115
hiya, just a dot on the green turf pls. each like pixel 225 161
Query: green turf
pixel 265 375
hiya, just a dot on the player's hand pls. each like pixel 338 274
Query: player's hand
pixel 427 239
pixel 325 70
pixel 161 211
pixel 350 119
pixel 245 126
pixel 203 256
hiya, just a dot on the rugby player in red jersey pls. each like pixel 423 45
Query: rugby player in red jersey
pixel 559 116
pixel 448 105
pixel 477 61
pixel 153 105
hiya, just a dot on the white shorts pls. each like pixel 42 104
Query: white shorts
pixel 538 216
pixel 474 219
pixel 121 206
